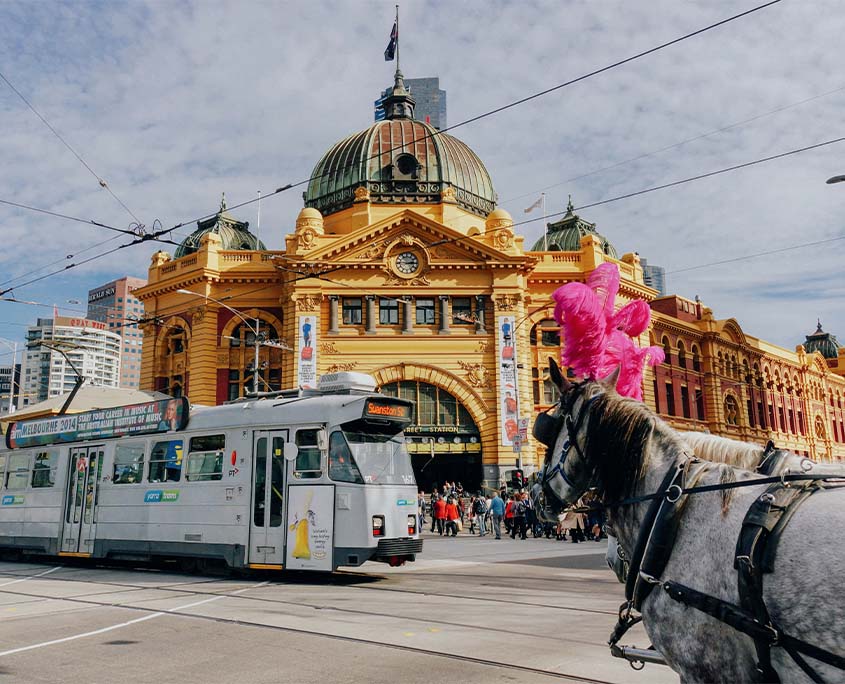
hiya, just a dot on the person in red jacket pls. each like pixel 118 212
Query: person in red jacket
pixel 509 515
pixel 452 517
pixel 440 514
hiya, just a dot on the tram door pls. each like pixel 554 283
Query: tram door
pixel 86 466
pixel 266 529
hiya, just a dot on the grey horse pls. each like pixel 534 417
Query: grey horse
pixel 620 447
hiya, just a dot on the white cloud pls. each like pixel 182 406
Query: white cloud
pixel 175 103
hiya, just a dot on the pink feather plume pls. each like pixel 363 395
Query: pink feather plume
pixel 597 340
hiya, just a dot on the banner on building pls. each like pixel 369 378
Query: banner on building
pixel 307 350
pixel 509 409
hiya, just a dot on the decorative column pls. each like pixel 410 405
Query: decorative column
pixel 444 316
pixel 333 329
pixel 407 321
pixel 479 315
pixel 371 315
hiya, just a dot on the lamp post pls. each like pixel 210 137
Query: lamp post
pixel 253 328
pixel 835 179
pixel 14 347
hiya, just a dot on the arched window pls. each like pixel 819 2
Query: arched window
pixel 820 431
pixel 175 341
pixel 682 355
pixel 242 378
pixel 667 351
pixel 546 333
pixel 696 359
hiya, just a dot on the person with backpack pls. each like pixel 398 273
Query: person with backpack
pixel 479 510
pixel 497 512
pixel 520 510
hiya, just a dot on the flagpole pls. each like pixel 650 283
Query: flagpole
pixel 545 228
pixel 258 223
pixel 397 39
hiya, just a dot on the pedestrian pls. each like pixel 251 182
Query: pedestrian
pixel 434 497
pixel 440 514
pixel 497 511
pixel 509 514
pixel 421 506
pixel 453 520
pixel 520 509
pixel 479 510
pixel 472 518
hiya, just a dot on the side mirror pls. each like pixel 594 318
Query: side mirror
pixel 290 451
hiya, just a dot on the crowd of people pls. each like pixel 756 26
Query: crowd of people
pixel 451 511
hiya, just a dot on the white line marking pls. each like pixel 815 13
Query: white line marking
pixel 171 611
pixel 24 579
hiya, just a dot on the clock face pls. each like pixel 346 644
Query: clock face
pixel 407 262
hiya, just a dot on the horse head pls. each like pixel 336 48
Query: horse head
pixel 566 473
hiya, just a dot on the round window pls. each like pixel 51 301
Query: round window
pixel 406 164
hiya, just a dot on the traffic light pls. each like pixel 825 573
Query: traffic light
pixel 517 479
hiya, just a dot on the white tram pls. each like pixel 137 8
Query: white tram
pixel 308 480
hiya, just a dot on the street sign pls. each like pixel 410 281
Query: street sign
pixel 523 429
pixel 517 444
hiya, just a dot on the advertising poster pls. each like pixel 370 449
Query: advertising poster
pixel 507 380
pixel 310 527
pixel 138 419
pixel 307 350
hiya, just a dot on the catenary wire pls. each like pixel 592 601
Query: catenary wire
pixel 680 143
pixel 157 234
pixel 497 110
pixel 100 181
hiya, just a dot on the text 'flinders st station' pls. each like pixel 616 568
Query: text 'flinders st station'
pixel 401 266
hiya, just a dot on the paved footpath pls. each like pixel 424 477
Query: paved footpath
pixel 469 610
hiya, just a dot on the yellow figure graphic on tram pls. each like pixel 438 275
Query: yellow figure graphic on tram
pixel 302 538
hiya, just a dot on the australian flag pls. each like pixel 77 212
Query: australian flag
pixel 390 50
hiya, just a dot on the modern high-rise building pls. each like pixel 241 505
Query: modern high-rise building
pixel 430 101
pixel 9 387
pixel 76 345
pixel 115 305
pixel 654 276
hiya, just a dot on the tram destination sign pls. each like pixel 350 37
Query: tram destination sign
pixel 136 419
pixel 392 409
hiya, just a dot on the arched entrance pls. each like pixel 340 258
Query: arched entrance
pixel 444 441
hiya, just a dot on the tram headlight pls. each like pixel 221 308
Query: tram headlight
pixel 378 525
pixel 412 524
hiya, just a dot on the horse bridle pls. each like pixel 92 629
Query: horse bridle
pixel 547 430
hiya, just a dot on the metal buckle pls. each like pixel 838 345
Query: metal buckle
pixel 648 579
pixel 767 497
pixel 677 488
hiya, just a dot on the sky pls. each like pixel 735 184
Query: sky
pixel 174 103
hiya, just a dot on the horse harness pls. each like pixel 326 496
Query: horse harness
pixel 755 554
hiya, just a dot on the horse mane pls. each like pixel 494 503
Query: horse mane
pixel 619 434
pixel 723 450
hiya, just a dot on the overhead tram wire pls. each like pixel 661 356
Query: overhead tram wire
pixel 706 134
pixel 58 261
pixel 652 189
pixel 155 235
pixel 491 112
pixel 100 181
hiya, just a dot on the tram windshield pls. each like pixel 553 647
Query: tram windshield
pixel 369 458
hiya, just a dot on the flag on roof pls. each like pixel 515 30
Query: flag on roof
pixel 536 205
pixel 390 50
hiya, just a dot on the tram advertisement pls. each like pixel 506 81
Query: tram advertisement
pixel 137 419
pixel 307 348
pixel 310 527
pixel 507 380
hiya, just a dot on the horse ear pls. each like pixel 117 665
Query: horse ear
pixel 609 382
pixel 557 377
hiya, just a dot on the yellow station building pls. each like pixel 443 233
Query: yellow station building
pixel 401 266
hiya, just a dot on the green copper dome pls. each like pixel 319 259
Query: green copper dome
pixel 401 161
pixel 233 233
pixel 565 235
pixel 823 343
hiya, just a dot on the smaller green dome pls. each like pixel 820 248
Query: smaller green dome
pixel 822 342
pixel 565 235
pixel 234 234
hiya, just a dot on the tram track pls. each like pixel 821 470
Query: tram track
pixel 177 612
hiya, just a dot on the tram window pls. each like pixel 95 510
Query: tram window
pixel 342 467
pixel 44 471
pixel 129 463
pixel 166 461
pixel 205 458
pixel 17 476
pixel 308 455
